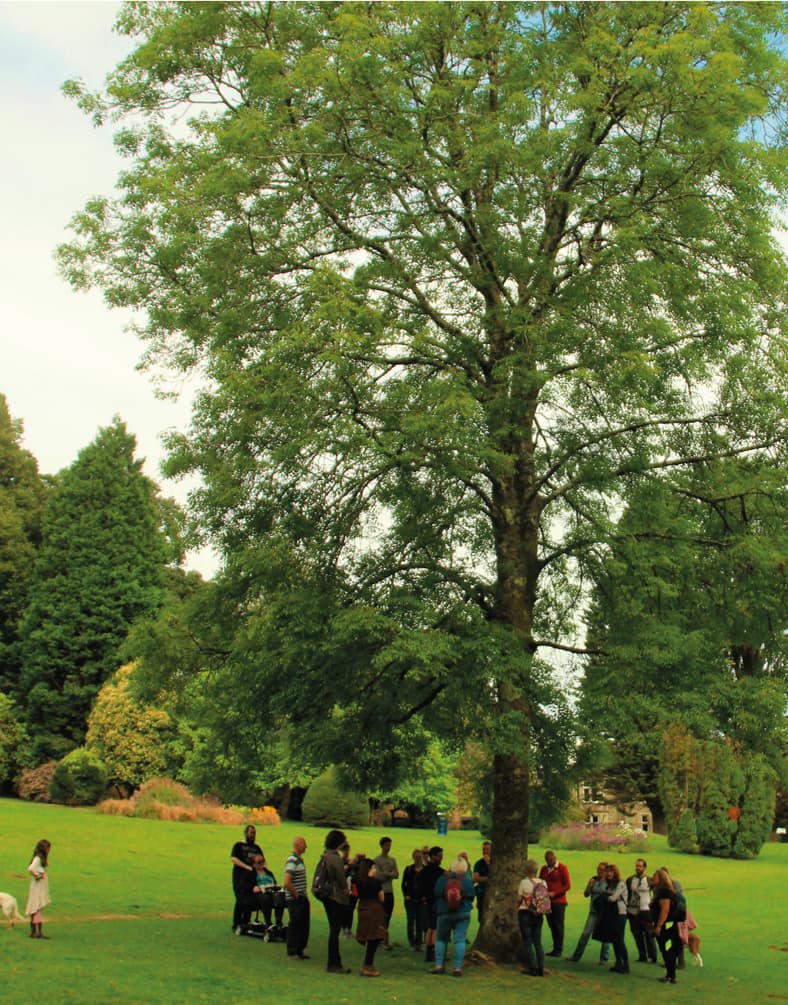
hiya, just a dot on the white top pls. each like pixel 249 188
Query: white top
pixel 38 897
pixel 619 896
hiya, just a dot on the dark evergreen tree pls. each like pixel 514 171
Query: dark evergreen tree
pixel 100 566
pixel 22 493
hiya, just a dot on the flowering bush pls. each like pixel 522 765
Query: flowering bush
pixel 33 783
pixel 266 816
pixel 596 837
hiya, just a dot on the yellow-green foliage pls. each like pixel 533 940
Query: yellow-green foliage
pixel 133 740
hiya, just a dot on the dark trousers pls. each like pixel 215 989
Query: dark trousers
pixel 369 955
pixel 669 942
pixel 531 932
pixel 298 925
pixel 555 919
pixel 336 914
pixel 388 908
pixel 270 903
pixel 242 911
pixel 414 912
pixel 643 933
pixel 347 920
pixel 619 945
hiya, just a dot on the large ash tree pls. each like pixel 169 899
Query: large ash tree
pixel 454 275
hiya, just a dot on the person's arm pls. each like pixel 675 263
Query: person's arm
pixel 289 885
pixel 566 883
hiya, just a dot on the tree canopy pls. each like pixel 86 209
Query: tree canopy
pixel 455 275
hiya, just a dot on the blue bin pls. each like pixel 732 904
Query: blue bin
pixel 443 823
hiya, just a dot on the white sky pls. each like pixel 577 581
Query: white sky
pixel 67 365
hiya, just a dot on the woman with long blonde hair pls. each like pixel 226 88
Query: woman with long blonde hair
pixel 666 930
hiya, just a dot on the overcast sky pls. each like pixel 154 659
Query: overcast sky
pixel 67 364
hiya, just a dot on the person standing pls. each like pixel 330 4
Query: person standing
pixel 430 875
pixel 638 909
pixel 596 891
pixel 241 856
pixel 371 929
pixel 337 901
pixel 556 876
pixel 411 898
pixel 297 902
pixel 481 877
pixel 530 921
pixel 386 871
pixel 617 917
pixel 453 903
pixel 663 908
pixel 38 897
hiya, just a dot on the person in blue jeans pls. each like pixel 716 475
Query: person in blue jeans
pixel 596 890
pixel 529 920
pixel 453 900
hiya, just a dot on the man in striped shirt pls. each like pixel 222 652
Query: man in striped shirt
pixel 297 902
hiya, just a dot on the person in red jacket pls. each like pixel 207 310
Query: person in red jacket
pixel 556 876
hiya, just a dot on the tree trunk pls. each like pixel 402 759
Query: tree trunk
pixel 499 935
pixel 516 547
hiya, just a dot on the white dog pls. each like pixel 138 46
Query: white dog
pixel 9 908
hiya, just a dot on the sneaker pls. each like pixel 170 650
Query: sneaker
pixel 666 980
pixel 369 972
pixel 457 973
pixel 238 930
pixel 436 970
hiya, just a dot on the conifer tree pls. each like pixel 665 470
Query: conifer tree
pixel 100 566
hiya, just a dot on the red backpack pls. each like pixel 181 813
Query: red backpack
pixel 453 894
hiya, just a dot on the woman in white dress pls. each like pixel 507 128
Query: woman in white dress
pixel 38 898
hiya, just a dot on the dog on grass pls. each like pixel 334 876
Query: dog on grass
pixel 693 942
pixel 9 908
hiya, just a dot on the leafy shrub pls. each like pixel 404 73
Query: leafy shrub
pixel 80 779
pixel 33 783
pixel 327 805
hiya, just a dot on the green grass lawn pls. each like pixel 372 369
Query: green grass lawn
pixel 141 913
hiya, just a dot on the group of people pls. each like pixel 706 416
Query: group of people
pixel 653 907
pixel 438 904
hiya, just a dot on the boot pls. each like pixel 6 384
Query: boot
pixel 32 929
pixel 41 931
pixel 429 956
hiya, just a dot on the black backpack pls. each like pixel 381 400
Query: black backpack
pixel 321 881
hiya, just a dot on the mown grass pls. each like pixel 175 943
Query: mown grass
pixel 141 914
